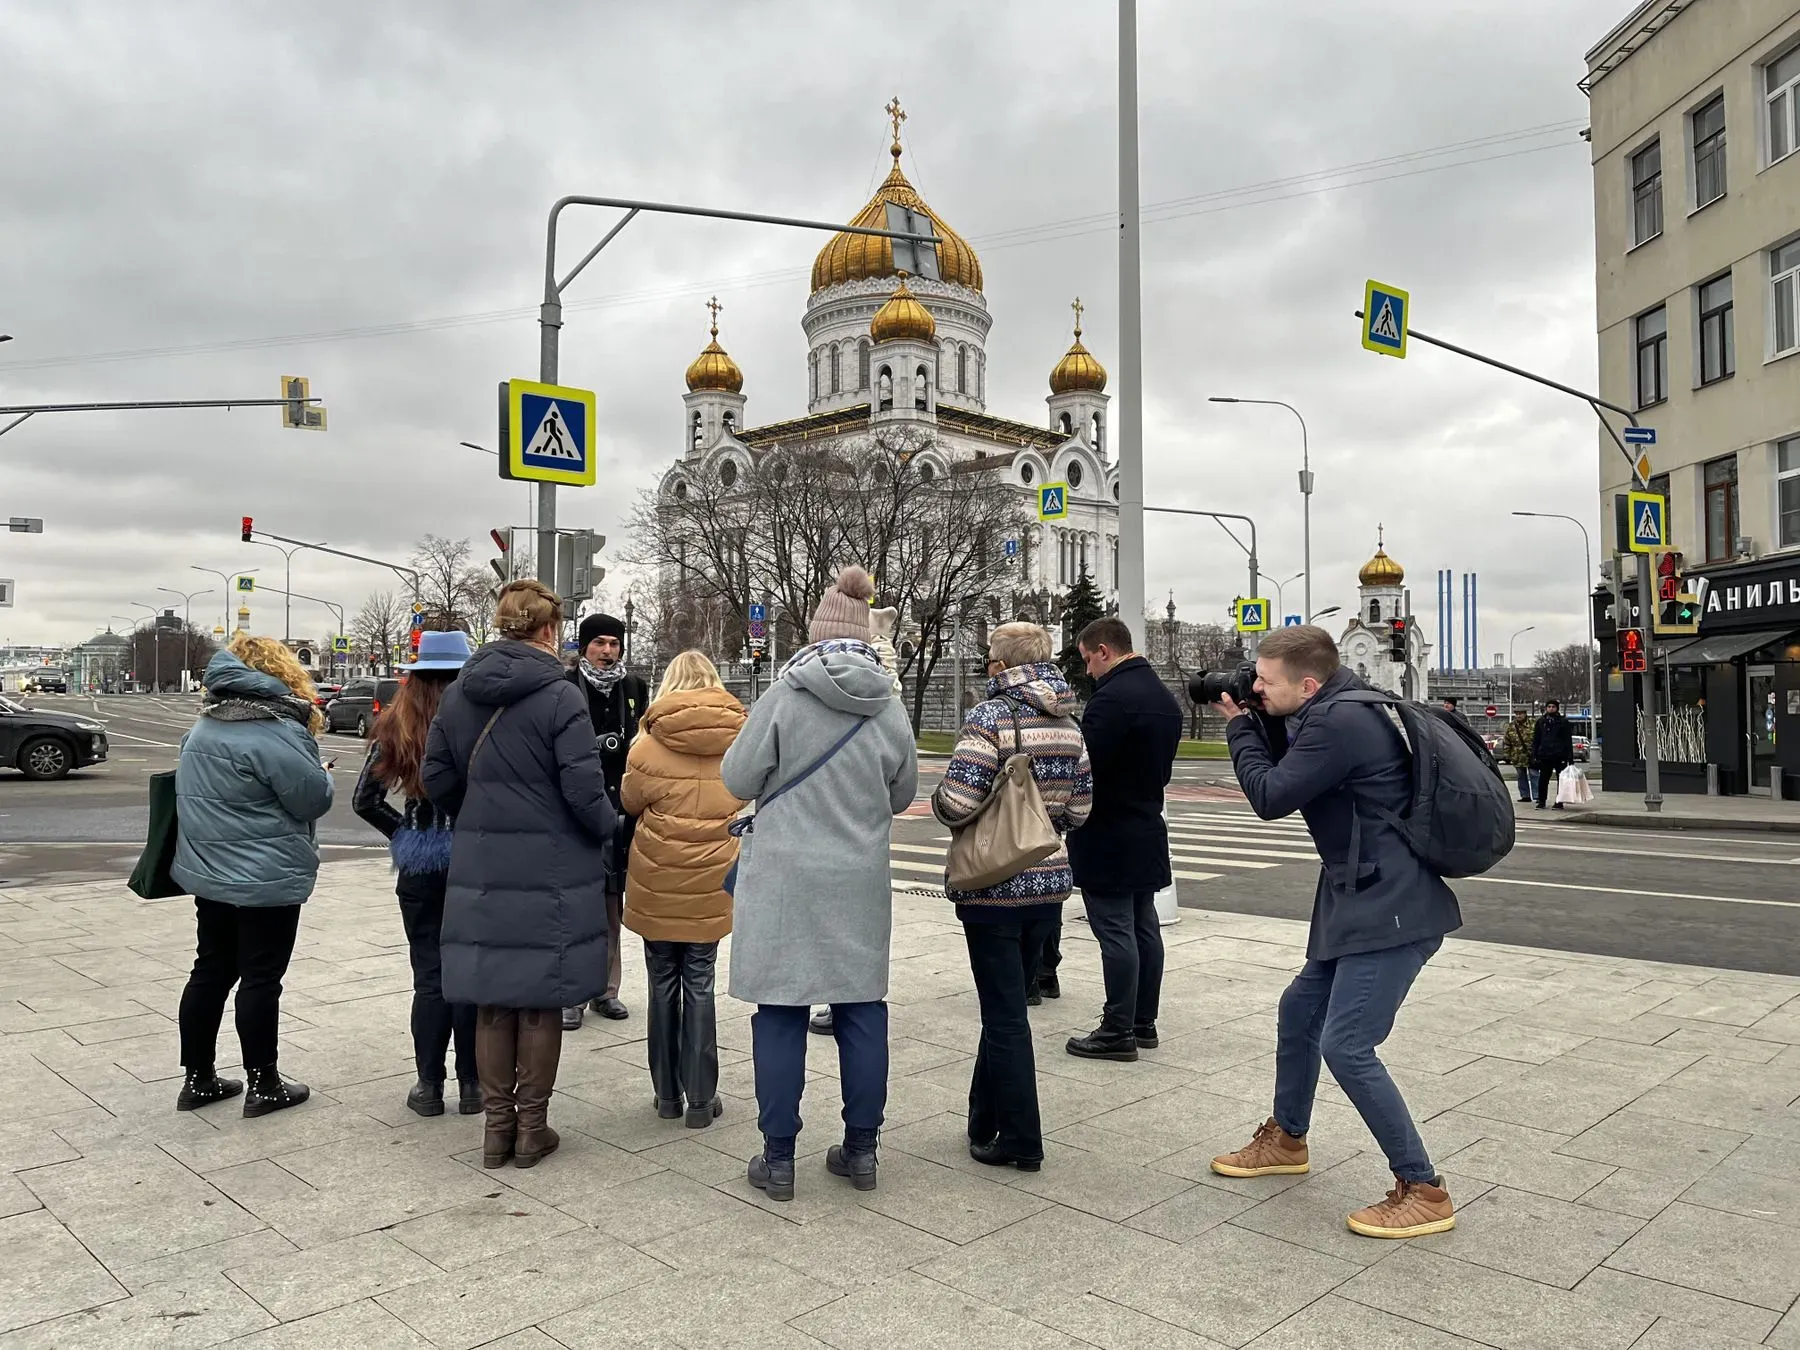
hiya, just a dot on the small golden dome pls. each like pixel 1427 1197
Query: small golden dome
pixel 1078 369
pixel 902 318
pixel 714 368
pixel 851 257
pixel 1381 570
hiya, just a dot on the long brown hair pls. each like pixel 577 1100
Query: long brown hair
pixel 400 732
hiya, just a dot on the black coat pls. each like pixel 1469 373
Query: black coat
pixel 1336 755
pixel 1132 726
pixel 1553 743
pixel 620 710
pixel 525 912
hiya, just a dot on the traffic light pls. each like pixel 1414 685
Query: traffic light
pixel 1634 654
pixel 248 527
pixel 300 411
pixel 1397 640
pixel 503 540
pixel 576 568
pixel 1679 607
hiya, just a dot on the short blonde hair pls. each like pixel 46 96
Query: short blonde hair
pixel 525 608
pixel 1019 644
pixel 688 671
pixel 272 657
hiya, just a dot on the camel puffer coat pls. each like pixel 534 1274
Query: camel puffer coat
pixel 681 851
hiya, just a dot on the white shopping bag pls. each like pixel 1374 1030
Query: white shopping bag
pixel 1572 788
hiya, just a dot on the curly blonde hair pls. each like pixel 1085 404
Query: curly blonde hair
pixel 272 657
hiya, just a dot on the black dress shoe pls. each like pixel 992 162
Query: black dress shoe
pixel 1033 998
pixel 611 1009
pixel 1145 1036
pixel 426 1099
pixel 820 1025
pixel 571 1017
pixel 1104 1044
pixel 203 1087
pixel 995 1156
pixel 1049 986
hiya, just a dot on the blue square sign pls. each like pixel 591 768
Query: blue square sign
pixel 547 432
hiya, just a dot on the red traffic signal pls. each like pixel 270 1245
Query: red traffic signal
pixel 1634 658
pixel 1397 639
pixel 248 524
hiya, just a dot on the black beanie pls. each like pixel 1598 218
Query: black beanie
pixel 597 626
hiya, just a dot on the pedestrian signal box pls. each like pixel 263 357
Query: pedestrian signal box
pixel 1397 640
pixel 1634 652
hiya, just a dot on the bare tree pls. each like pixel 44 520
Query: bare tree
pixel 161 651
pixel 1562 674
pixel 453 590
pixel 378 626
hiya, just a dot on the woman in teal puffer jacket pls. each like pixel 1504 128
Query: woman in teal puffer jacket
pixel 249 788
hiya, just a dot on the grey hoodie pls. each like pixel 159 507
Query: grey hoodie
pixel 813 904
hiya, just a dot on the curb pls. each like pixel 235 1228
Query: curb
pixel 1632 820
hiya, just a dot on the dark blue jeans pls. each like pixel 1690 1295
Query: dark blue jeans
pixel 1003 1101
pixel 778 1049
pixel 1131 957
pixel 1339 1011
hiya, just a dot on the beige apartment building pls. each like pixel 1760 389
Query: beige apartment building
pixel 1695 127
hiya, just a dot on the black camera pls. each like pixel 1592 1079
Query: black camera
pixel 1209 686
pixel 611 742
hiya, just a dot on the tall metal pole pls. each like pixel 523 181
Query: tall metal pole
pixel 1131 334
pixel 549 346
pixel 1306 482
pixel 1587 600
pixel 1512 664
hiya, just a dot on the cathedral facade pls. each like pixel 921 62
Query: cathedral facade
pixel 1365 644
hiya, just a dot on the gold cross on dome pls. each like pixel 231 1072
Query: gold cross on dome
pixel 1077 308
pixel 896 115
pixel 714 305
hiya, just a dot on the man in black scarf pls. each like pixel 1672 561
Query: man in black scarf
pixel 616 701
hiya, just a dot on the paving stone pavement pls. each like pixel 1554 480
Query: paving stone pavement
pixel 1622 1139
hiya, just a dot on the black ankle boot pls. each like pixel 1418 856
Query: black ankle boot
pixel 854 1158
pixel 699 1117
pixel 468 1097
pixel 426 1099
pixel 269 1091
pixel 1104 1044
pixel 203 1087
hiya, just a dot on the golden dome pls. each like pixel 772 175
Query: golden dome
pixel 1078 369
pixel 714 368
pixel 902 318
pixel 1381 570
pixel 851 257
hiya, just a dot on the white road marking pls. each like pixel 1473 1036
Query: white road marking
pixel 1626 890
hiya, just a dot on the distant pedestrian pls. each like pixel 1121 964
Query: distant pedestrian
pixel 1132 726
pixel 419 838
pixel 674 896
pixel 1029 710
pixel 512 759
pixel 1379 914
pixel 828 756
pixel 1515 749
pixel 1453 706
pixel 1552 750
pixel 616 700
pixel 249 787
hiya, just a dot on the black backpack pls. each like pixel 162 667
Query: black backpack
pixel 1460 818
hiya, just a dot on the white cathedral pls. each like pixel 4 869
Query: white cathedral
pixel 889 350
pixel 1381 587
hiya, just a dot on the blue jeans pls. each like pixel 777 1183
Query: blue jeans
pixel 778 1049
pixel 1339 1011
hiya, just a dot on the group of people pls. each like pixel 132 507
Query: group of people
pixel 1539 750
pixel 531 811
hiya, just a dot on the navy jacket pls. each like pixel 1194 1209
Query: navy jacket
pixel 1132 726
pixel 525 910
pixel 1337 755
pixel 1552 742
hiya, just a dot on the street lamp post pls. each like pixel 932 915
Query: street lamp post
pixel 530 494
pixel 1511 664
pixel 226 579
pixel 1281 593
pixel 1130 578
pixel 1587 600
pixel 287 620
pixel 187 622
pixel 1325 613
pixel 1306 482
pixel 155 646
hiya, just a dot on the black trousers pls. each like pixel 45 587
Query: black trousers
pixel 1547 775
pixel 683 1036
pixel 249 946
pixel 1131 956
pixel 434 1022
pixel 1003 1101
pixel 1052 957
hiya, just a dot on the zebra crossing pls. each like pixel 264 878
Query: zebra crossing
pixel 1205 844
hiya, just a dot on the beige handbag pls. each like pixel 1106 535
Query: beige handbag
pixel 1010 832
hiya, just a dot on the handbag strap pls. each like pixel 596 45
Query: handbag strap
pixel 481 740
pixel 814 767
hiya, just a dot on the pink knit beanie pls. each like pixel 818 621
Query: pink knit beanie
pixel 843 610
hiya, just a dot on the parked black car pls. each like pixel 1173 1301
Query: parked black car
pixel 359 705
pixel 45 745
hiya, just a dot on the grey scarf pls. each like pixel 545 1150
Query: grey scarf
pixel 605 679
pixel 292 707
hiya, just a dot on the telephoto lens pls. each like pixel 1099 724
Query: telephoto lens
pixel 1209 686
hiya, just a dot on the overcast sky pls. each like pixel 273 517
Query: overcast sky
pixel 201 197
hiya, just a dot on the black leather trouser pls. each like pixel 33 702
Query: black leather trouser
pixel 683 1036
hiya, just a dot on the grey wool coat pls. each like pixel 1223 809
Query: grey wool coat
pixel 814 912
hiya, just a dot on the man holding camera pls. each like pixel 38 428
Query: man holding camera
pixel 1379 914
pixel 616 701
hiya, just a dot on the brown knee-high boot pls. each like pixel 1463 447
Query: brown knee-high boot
pixel 496 1061
pixel 540 1050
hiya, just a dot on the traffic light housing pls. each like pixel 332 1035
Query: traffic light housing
pixel 1679 606
pixel 1634 652
pixel 503 540
pixel 1397 640
pixel 576 568
pixel 249 525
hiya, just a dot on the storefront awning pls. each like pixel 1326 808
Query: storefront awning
pixel 1722 647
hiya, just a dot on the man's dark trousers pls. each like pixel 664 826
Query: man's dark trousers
pixel 1338 1012
pixel 1548 777
pixel 1131 957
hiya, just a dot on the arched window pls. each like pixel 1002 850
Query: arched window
pixel 728 473
pixel 962 370
pixel 862 364
pixel 813 365
pixel 1073 473
pixel 834 370
pixel 885 390
pixel 1066 425
pixel 927 472
pixel 681 491
pixel 1099 434
pixel 694 432
pixel 730 421
pixel 1374 611
pixel 921 389
pixel 1026 473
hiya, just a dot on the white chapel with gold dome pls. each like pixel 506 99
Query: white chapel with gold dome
pixel 889 349
pixel 1381 597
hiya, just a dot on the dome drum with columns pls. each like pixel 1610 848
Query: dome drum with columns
pixel 889 349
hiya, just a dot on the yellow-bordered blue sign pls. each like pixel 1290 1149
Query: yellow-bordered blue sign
pixel 548 433
pixel 1386 310
pixel 1053 501
pixel 1253 615
pixel 1648 513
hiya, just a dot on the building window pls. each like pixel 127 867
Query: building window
pixel 1026 473
pixel 1374 611
pixel 1721 478
pixel 1646 193
pixel 1787 492
pixel 813 367
pixel 962 370
pixel 921 389
pixel 1652 357
pixel 1709 152
pixel 926 473
pixel 1718 348
pixel 1067 426
pixel 834 370
pixel 1074 473
pixel 862 364
pixel 728 473
pixel 1783 95
pixel 1784 296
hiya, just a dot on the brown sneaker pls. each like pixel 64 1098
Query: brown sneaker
pixel 1412 1209
pixel 1271 1152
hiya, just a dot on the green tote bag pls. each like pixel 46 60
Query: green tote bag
pixel 150 879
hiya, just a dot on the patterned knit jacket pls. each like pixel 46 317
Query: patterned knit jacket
pixel 1049 732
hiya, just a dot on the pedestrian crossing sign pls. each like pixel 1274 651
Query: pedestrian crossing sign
pixel 246 585
pixel 1053 501
pixel 1253 616
pixel 548 433
pixel 1386 310
pixel 1648 513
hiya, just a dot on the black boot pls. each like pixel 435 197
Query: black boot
pixel 270 1092
pixel 669 1108
pixel 1144 1033
pixel 820 1025
pixel 203 1087
pixel 1104 1044
pixel 772 1170
pixel 699 1117
pixel 854 1158
pixel 426 1099
pixel 468 1097
pixel 995 1155
pixel 1049 986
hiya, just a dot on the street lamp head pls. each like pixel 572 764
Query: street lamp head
pixel 1327 613
pixel 1220 398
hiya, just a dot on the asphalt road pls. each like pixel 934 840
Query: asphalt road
pixel 1720 899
